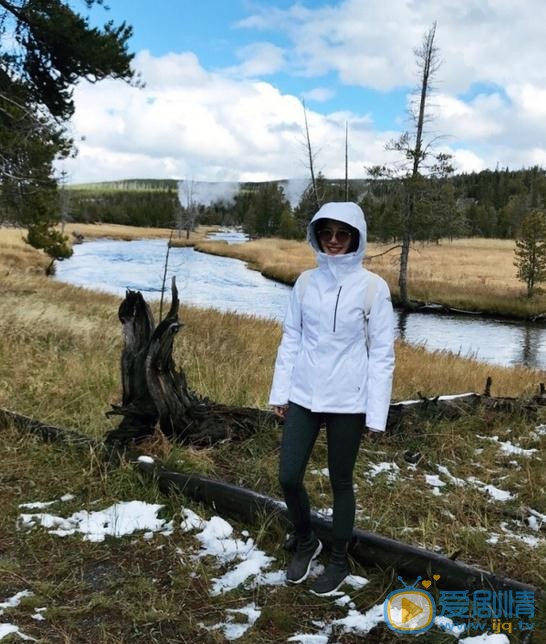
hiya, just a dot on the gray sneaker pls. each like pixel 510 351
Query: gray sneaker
pixel 300 564
pixel 331 579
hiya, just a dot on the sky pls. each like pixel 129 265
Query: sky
pixel 225 80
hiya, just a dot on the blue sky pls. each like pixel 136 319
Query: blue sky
pixel 212 30
pixel 225 81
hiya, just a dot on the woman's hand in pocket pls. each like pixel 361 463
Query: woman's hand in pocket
pixel 280 410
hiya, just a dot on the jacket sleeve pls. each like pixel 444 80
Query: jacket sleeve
pixel 380 358
pixel 288 349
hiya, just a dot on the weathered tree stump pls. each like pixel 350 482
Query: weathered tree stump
pixel 154 390
pixel 138 408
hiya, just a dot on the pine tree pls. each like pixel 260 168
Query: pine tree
pixel 45 49
pixel 531 251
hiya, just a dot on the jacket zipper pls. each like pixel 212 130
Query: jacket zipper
pixel 335 310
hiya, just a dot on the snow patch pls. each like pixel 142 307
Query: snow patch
pixel 449 397
pixel 323 472
pixel 434 480
pixel 234 630
pixel 318 638
pixel 217 541
pixel 486 638
pixel 10 629
pixel 452 479
pixel 536 520
pixel 448 625
pixel 508 447
pixel 494 492
pixel 392 470
pixel 118 520
pixel 191 521
pixel 361 623
pixel 14 601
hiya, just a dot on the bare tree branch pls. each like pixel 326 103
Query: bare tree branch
pixel 310 156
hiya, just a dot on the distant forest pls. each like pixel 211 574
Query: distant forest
pixel 491 203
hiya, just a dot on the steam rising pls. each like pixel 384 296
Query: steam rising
pixel 206 193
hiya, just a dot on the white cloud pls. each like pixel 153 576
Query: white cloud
pixel 229 124
pixel 479 119
pixel 191 123
pixel 319 94
pixel 370 43
pixel 467 161
pixel 259 59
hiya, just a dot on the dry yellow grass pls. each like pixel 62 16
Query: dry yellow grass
pixel 280 259
pixel 16 255
pixel 115 231
pixel 15 236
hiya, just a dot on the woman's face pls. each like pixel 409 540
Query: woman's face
pixel 334 237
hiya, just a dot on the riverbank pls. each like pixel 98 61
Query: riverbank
pixel 475 275
pixel 128 233
pixel 456 486
pixel 469 274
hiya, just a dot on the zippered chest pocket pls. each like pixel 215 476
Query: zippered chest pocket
pixel 347 317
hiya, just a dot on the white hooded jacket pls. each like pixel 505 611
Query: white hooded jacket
pixel 323 362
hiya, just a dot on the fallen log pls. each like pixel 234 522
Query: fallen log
pixel 240 503
pixel 457 405
pixel 421 306
pixel 44 430
pixel 366 547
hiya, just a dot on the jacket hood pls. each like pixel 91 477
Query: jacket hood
pixel 349 213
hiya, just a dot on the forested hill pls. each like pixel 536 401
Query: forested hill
pixel 491 203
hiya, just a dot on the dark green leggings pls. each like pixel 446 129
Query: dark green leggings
pixel 343 432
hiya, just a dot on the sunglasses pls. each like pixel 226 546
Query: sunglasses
pixel 327 235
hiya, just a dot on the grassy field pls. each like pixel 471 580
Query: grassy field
pixel 59 362
pixel 473 274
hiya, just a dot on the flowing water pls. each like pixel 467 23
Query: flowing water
pixel 226 284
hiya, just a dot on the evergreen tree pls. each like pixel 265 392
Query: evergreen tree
pixel 307 206
pixel 260 208
pixel 46 48
pixel 531 251
pixel 511 215
pixel 288 228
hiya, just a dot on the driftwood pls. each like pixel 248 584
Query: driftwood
pixel 420 306
pixel 366 547
pixel 452 407
pixel 154 390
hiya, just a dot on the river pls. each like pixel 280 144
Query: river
pixel 226 284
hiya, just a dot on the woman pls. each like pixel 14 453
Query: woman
pixel 334 366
